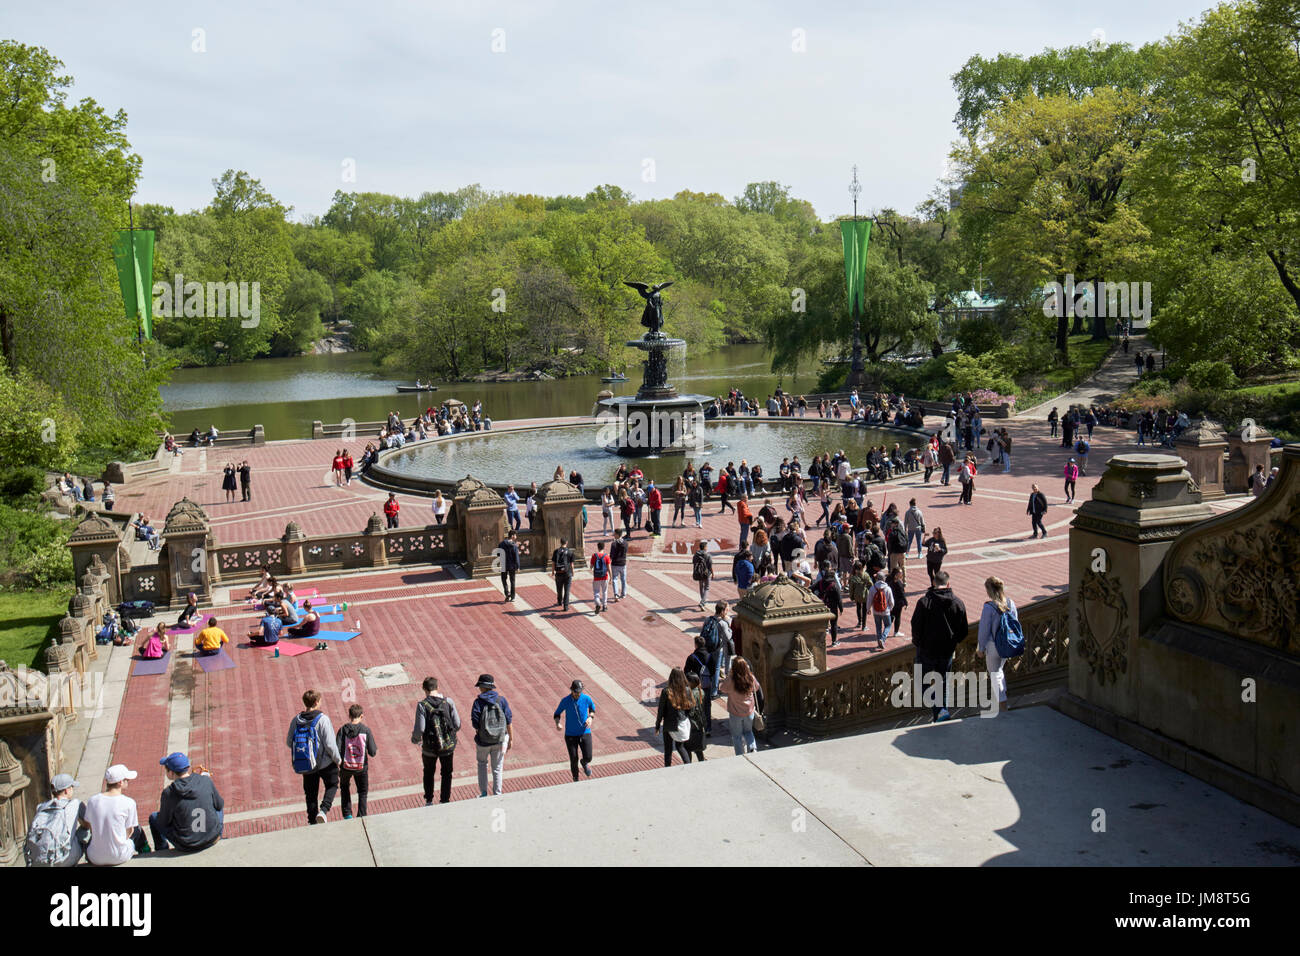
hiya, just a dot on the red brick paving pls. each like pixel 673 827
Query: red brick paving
pixel 240 716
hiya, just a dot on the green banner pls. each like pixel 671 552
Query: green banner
pixel 133 253
pixel 856 233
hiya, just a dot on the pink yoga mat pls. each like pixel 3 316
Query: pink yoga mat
pixel 287 649
pixel 144 667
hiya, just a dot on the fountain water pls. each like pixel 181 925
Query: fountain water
pixel 657 420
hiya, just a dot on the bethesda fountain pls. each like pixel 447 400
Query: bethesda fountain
pixel 657 420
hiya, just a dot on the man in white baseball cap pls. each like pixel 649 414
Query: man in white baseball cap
pixel 115 834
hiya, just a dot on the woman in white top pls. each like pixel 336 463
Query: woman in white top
pixel 607 512
pixel 439 509
pixel 997 604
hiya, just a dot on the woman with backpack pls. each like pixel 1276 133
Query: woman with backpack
pixel 744 702
pixel 859 585
pixel 998 605
pixel 673 716
pixel 898 585
pixel 935 548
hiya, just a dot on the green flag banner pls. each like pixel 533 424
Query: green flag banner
pixel 856 233
pixel 133 253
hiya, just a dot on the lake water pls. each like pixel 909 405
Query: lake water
pixel 286 395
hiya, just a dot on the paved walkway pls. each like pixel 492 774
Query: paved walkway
pixel 1115 376
pixel 431 620
pixel 1028 788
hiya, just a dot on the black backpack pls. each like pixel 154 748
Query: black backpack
pixel 897 540
pixel 701 566
pixel 562 560
pixel 439 736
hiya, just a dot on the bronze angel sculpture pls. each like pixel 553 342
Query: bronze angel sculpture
pixel 653 316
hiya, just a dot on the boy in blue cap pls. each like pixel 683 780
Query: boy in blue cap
pixel 190 811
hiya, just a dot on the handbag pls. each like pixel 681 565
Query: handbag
pixel 682 732
pixel 760 724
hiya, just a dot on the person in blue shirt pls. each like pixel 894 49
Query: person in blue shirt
pixel 270 630
pixel 512 507
pixel 579 711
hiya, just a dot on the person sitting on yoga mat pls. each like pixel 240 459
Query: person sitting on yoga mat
pixel 263 587
pixel 155 644
pixel 209 640
pixel 287 610
pixel 268 633
pixel 309 624
pixel 190 612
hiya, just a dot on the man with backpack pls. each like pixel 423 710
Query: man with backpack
pixel 600 578
pixel 315 755
pixel 704 665
pixel 54 838
pixel 508 552
pixel 190 810
pixel 562 569
pixel 491 719
pixel 881 601
pixel 939 624
pixel 896 542
pixel 702 572
pixel 436 724
pixel 827 589
pixel 716 631
pixel 1037 508
pixel 618 565
pixel 578 710
pixel 356 743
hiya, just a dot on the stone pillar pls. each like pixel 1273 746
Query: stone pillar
pixel 559 504
pixel 93 586
pixel 96 540
pixel 190 551
pixel 1202 446
pixel 456 543
pixel 13 807
pixel 1118 543
pixel 292 540
pixel 376 537
pixel 784 626
pixel 81 608
pixel 485 526
pixel 1243 455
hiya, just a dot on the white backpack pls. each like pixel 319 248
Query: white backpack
pixel 52 835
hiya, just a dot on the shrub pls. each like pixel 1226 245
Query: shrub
pixel 979 334
pixel 36 427
pixel 970 374
pixel 33 548
pixel 26 482
pixel 1207 375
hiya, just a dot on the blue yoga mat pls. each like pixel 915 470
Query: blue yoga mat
pixel 336 635
pixel 331 618
pixel 219 661
pixel 144 667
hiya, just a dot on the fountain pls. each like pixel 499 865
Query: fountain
pixel 657 420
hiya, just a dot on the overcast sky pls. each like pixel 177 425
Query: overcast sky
pixel 654 97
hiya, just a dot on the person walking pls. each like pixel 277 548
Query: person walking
pixel 1053 420
pixel 914 525
pixel 1071 473
pixel 511 498
pixel 391 508
pixel 439 509
pixel 562 570
pixel 356 743
pixel 859 589
pixel 928 460
pixel 1137 362
pixel 967 477
pixel 606 511
pixel 695 497
pixel 881 599
pixel 508 555
pixel 939 624
pixel 436 726
pixel 246 480
pixel 896 544
pixel 578 710
pixel 898 587
pixel 618 566
pixel 936 546
pixel 946 459
pixel 492 722
pixel 744 517
pixel 1081 449
pixel 315 755
pixel 1037 508
pixel 998 604
pixel 827 588
pixel 744 702
pixel 702 571
pixel 673 716
pixel 109 497
pixel 654 500
pixel 679 502
pixel 600 578
pixel 1005 438
pixel 1258 481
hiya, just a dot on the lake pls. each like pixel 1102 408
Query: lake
pixel 285 395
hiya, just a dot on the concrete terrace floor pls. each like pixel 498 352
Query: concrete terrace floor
pixel 433 621
pixel 1028 788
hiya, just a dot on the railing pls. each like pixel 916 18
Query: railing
pixel 416 545
pixel 860 694
pixel 246 560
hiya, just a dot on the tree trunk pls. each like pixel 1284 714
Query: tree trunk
pixel 1099 328
pixel 1063 336
pixel 1078 324
pixel 7 340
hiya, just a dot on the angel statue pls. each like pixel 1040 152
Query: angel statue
pixel 653 316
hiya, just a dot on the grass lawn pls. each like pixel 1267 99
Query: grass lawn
pixel 1086 355
pixel 27 619
pixel 1277 390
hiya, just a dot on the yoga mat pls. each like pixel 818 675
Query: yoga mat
pixel 290 650
pixel 219 661
pixel 192 629
pixel 143 667
pixel 324 608
pixel 331 618
pixel 336 635
pixel 307 592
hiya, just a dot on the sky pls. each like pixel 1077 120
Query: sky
pixel 550 97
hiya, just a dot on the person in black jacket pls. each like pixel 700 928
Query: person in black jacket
pixel 365 737
pixel 508 556
pixel 827 587
pixel 562 569
pixel 704 664
pixel 938 625
pixel 190 810
pixel 1037 508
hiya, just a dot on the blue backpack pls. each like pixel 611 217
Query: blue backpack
pixel 1009 639
pixel 305 746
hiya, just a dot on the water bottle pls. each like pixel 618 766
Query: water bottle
pixel 277 652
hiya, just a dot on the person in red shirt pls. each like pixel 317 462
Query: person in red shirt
pixel 347 468
pixel 654 499
pixel 745 517
pixel 391 507
pixel 338 468
pixel 600 577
